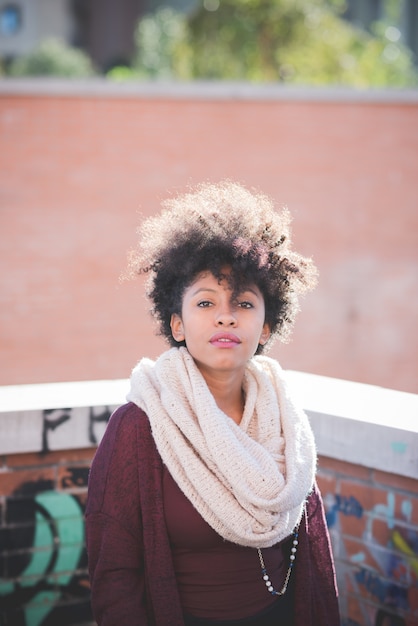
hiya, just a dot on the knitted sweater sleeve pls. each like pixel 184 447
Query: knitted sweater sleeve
pixel 316 593
pixel 113 527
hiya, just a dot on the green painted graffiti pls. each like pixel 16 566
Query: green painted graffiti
pixel 58 542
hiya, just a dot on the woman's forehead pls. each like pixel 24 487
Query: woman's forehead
pixel 226 279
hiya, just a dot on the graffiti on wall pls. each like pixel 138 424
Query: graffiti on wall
pixel 43 564
pixel 53 429
pixel 384 567
pixel 53 419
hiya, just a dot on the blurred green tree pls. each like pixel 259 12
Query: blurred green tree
pixel 53 57
pixel 291 41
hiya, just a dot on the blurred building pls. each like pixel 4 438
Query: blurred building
pixel 102 28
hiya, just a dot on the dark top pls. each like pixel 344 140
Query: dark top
pixel 216 578
pixel 132 576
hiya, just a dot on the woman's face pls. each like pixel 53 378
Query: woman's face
pixel 220 333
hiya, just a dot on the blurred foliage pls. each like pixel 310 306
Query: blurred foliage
pixel 122 73
pixel 53 58
pixel 291 41
pixel 162 43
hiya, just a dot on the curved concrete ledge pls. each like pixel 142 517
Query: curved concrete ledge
pixel 200 90
pixel 357 423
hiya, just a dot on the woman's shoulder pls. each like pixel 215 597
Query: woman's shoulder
pixel 127 416
pixel 124 424
pixel 121 436
pixel 128 412
pixel 116 460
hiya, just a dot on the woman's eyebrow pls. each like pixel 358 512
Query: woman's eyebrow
pixel 204 289
pixel 210 290
pixel 256 293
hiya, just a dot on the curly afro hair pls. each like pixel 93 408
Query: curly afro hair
pixel 212 227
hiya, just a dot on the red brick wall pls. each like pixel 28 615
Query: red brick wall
pixel 75 172
pixel 43 562
pixel 373 521
pixel 372 516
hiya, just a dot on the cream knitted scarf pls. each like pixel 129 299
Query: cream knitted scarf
pixel 249 481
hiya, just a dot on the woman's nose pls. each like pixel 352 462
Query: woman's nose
pixel 226 317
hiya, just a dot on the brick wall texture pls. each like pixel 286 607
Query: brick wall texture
pixel 76 173
pixel 372 517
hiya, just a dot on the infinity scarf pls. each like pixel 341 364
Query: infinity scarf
pixel 249 481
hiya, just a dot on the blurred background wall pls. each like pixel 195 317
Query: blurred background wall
pixel 79 165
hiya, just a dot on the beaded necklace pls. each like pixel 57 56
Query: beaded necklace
pixel 292 558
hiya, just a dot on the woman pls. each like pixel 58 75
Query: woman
pixel 202 506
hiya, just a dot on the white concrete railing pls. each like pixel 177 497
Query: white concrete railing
pixel 200 90
pixel 353 422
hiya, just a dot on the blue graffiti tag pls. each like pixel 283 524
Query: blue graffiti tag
pixel 346 505
pixel 387 593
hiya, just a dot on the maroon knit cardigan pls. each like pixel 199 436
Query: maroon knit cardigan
pixel 131 571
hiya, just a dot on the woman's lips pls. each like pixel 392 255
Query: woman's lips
pixel 224 340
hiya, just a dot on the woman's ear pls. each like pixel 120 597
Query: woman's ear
pixel 265 334
pixel 176 325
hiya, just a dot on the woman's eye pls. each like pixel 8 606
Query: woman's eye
pixel 204 303
pixel 245 304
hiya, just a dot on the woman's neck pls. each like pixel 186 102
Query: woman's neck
pixel 229 397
